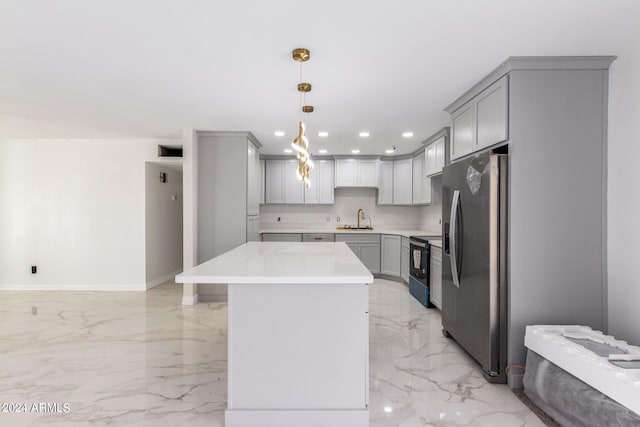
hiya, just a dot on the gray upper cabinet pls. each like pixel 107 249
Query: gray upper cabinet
pixel 346 173
pixel 435 156
pixel 274 177
pixel 322 183
pixel 385 183
pixel 482 121
pixel 368 173
pixel 492 114
pixel 293 188
pixel 356 173
pixel 283 187
pixel 462 131
pixel 421 183
pixel 402 182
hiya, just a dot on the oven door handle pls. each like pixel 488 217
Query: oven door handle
pixel 453 231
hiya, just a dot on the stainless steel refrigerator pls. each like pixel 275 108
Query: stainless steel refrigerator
pixel 474 259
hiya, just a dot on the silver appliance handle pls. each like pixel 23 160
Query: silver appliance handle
pixel 455 200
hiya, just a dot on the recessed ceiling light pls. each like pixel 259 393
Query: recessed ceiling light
pixel 364 134
pixel 388 409
pixel 355 151
pixel 278 133
pixel 322 151
pixel 288 150
pixel 389 151
pixel 323 134
pixel 407 134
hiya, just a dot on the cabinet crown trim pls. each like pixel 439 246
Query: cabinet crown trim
pixel 245 134
pixel 436 136
pixel 519 63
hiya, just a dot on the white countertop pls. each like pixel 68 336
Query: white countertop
pixel 436 242
pixel 431 231
pixel 281 263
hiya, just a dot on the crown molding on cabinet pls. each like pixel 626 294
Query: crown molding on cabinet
pixel 520 63
pixel 246 134
pixel 442 132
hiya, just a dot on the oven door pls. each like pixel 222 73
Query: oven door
pixel 419 262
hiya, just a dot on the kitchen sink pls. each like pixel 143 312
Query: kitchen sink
pixel 348 227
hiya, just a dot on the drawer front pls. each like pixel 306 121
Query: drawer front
pixel 358 238
pixel 281 237
pixel 317 237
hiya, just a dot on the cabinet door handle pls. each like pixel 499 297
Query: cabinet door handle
pixel 317 238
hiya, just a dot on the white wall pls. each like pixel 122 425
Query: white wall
pixel 163 224
pixel 347 203
pixel 624 198
pixel 75 208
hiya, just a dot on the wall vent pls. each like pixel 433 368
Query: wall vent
pixel 169 151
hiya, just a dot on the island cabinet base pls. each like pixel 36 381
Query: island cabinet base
pixel 311 418
pixel 298 355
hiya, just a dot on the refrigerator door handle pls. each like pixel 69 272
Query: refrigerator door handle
pixel 455 201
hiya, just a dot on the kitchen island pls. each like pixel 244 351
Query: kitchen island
pixel 298 333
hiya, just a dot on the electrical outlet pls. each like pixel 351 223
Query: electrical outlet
pixel 328 219
pixel 34 269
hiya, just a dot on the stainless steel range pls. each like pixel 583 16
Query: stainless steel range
pixel 419 274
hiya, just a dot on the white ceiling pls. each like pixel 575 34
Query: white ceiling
pixel 148 68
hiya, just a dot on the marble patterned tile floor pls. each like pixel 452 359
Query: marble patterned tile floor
pixel 131 358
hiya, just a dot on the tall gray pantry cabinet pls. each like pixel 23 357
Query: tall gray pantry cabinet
pixel 228 183
pixel 551 112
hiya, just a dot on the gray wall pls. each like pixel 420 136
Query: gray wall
pixel 163 223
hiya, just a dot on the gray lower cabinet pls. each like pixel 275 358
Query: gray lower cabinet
pixel 281 237
pixel 435 279
pixel 370 256
pixel 366 247
pixel 390 255
pixel 404 260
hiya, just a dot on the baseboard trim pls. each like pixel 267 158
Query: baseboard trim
pixel 161 280
pixel 190 300
pixel 98 287
pixel 389 277
pixel 213 298
pixel 297 417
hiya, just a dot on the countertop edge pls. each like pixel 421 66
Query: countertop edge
pixel 230 280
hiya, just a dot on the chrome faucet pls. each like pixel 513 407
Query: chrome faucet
pixel 360 214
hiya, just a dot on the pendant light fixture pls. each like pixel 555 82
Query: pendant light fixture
pixel 301 143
